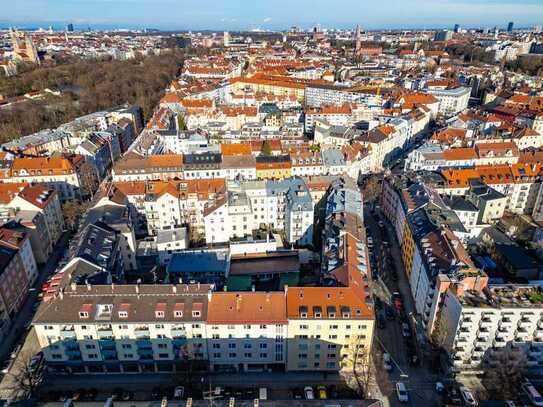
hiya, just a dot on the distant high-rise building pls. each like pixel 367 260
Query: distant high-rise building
pixel 537 29
pixel 456 28
pixel 226 38
pixel 70 28
pixel 510 27
pixel 443 35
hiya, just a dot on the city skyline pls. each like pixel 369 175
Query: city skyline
pixel 209 14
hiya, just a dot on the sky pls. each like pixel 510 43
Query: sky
pixel 270 14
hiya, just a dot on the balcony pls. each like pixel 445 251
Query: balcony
pixel 525 323
pixel 67 334
pixel 145 354
pixel 73 353
pixel 107 344
pixel 142 333
pixel 144 344
pixel 109 355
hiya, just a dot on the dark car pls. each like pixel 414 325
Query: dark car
pixel 454 396
pixel 378 302
pixel 389 313
pixel 381 324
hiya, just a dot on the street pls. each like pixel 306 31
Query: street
pixel 419 379
pixel 19 332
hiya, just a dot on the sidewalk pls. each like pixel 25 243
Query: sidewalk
pixel 17 329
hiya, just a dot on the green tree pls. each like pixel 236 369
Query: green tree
pixel 181 125
pixel 266 148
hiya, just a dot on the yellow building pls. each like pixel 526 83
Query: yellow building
pixel 408 248
pixel 273 167
pixel 327 325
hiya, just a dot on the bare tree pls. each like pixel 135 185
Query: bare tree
pixel 356 367
pixel 439 333
pixel 372 189
pixel 72 211
pixel 503 372
pixel 24 377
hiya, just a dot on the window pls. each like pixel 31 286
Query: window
pixel 159 326
pixel 123 314
pixel 159 314
pixel 216 346
pixel 248 355
pixel 178 314
pixel 196 314
pixel 162 346
pixel 263 346
pixel 83 314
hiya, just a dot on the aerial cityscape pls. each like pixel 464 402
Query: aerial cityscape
pixel 299 203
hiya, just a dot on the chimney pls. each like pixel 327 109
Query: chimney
pixel 88 286
pixel 286 288
pixel 73 286
pixel 209 295
pixel 112 287
pixel 238 302
pixel 174 289
pixel 253 288
pixel 225 288
pixel 61 293
pixel 137 288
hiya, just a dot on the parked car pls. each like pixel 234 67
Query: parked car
pixel 321 392
pixel 454 396
pixel 440 388
pixel 401 392
pixel 406 332
pixel 532 394
pixel 308 392
pixel 387 362
pixel 466 395
pixel 389 313
pixel 380 322
pixel 178 392
pixel 15 352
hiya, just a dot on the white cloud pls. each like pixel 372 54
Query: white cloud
pixel 267 19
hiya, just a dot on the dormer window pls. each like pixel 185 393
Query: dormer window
pixel 197 309
pixel 123 310
pixel 85 311
pixel 317 312
pixel 178 310
pixel 303 312
pixel 160 310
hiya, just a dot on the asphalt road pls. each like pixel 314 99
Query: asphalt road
pixel 419 380
pixel 19 332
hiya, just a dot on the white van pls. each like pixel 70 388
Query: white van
pixel 532 394
pixel 263 393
